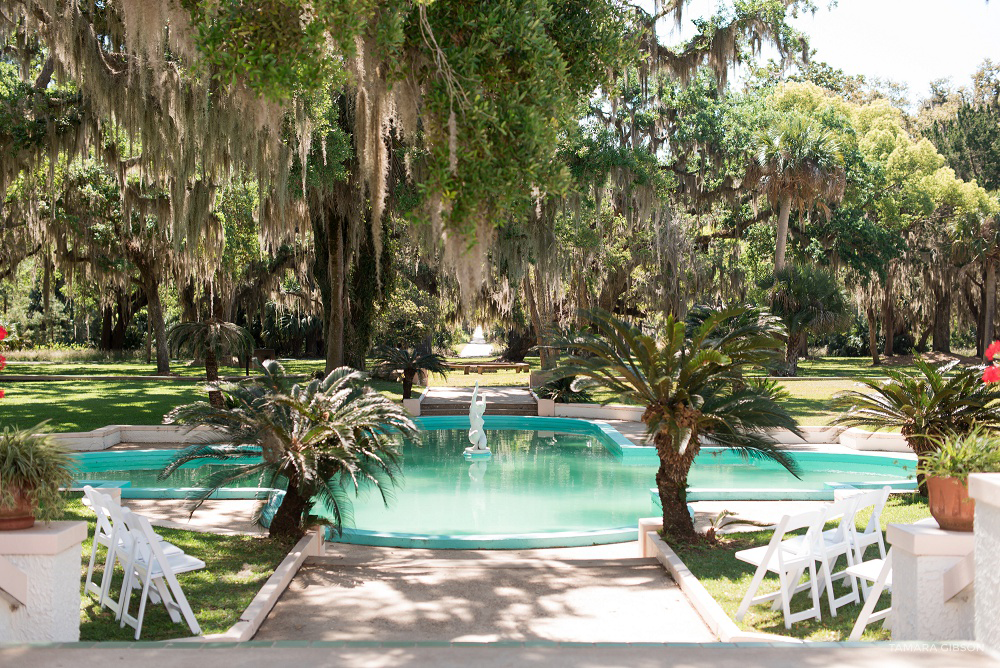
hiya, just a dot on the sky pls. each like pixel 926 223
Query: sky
pixel 910 41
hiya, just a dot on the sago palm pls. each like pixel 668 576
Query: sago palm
pixel 808 299
pixel 796 164
pixel 692 383
pixel 318 440
pixel 209 340
pixel 408 362
pixel 926 405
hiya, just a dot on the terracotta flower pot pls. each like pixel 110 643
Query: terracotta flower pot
pixel 20 515
pixel 950 504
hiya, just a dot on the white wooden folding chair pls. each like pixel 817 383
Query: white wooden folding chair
pixel 789 559
pixel 833 544
pixel 872 533
pixel 146 563
pixel 879 572
pixel 111 531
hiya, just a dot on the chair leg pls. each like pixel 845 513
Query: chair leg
pixel 168 600
pixel 90 566
pixel 758 577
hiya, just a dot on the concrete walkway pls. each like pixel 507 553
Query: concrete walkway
pixel 602 594
pixel 536 655
pixel 477 347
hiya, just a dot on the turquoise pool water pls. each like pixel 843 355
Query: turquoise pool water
pixel 588 479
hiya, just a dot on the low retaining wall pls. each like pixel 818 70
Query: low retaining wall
pixel 112 435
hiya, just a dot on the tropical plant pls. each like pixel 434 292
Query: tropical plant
pixel 808 299
pixel 926 406
pixel 693 387
pixel 977 451
pixel 408 362
pixel 318 440
pixel 210 340
pixel 562 391
pixel 727 520
pixel 797 164
pixel 34 466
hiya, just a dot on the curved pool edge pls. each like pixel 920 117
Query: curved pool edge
pixel 521 541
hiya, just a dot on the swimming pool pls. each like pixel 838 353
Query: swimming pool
pixel 550 481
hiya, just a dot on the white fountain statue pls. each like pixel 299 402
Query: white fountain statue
pixel 477 432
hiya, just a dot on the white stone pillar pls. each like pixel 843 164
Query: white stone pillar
pixel 985 489
pixel 40 583
pixel 932 593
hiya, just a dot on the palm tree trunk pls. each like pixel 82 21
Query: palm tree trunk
pixel 792 348
pixel 671 485
pixel 408 375
pixel 782 236
pixel 212 376
pixel 287 521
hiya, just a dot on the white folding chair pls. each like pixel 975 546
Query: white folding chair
pixel 109 531
pixel 146 563
pixel 789 559
pixel 872 533
pixel 833 544
pixel 879 572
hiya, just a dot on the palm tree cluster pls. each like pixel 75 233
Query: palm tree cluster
pixel 210 340
pixel 318 441
pixel 408 362
pixel 691 379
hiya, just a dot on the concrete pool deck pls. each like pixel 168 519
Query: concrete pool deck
pixel 592 594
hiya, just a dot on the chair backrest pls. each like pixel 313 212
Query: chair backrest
pixel 99 504
pixel 842 512
pixel 146 546
pixel 796 551
pixel 876 500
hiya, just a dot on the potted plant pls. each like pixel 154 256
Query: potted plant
pixel 946 470
pixel 32 470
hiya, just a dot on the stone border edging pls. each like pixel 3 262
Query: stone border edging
pixel 718 622
pixel 310 545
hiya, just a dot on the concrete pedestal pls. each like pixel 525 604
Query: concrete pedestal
pixel 932 593
pixel 985 489
pixel 40 583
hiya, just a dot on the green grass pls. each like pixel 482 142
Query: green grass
pixel 236 567
pixel 85 405
pixel 727 579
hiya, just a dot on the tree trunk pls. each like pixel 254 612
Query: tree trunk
pixel 942 319
pixel 212 376
pixel 888 324
pixel 536 320
pixel 782 235
pixel 46 298
pixel 671 485
pixel 408 375
pixel 287 520
pixel 792 348
pixel 872 333
pixel 154 308
pixel 989 301
pixel 107 319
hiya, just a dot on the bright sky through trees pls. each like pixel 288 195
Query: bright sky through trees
pixel 910 41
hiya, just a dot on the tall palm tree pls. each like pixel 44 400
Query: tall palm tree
pixel 319 440
pixel 209 340
pixel 925 406
pixel 808 299
pixel 691 380
pixel 408 362
pixel 797 164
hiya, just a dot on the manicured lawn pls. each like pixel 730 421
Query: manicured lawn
pixel 851 367
pixel 727 579
pixel 236 567
pixel 85 405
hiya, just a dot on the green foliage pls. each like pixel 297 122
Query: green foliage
pixel 321 439
pixel 692 383
pixel 808 299
pixel 407 362
pixel 958 455
pixel 564 391
pixel 32 463
pixel 926 405
pixel 209 340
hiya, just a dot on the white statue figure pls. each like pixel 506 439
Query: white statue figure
pixel 477 432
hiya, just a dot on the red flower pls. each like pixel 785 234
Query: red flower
pixel 3 333
pixel 991 374
pixel 992 350
pixel 3 362
pixel 1 394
